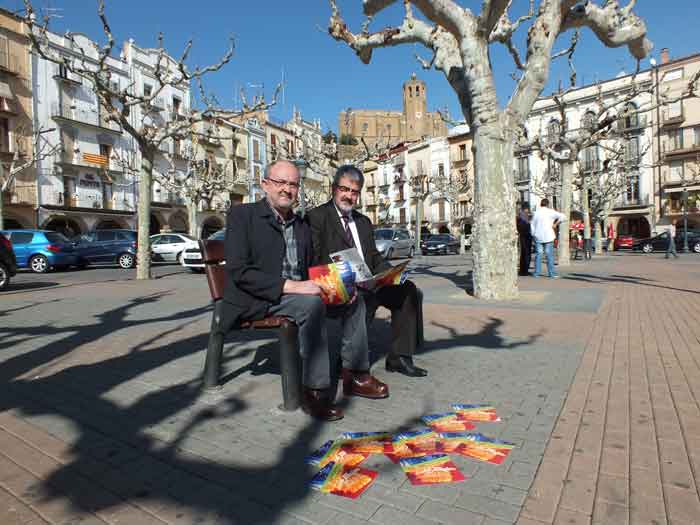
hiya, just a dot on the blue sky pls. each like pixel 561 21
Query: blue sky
pixel 324 77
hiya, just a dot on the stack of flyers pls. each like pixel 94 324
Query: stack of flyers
pixel 393 276
pixel 447 422
pixel 412 444
pixel 476 412
pixel 427 470
pixel 478 446
pixel 367 442
pixel 347 482
pixel 335 452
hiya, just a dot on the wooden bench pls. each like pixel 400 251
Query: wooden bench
pixel 221 324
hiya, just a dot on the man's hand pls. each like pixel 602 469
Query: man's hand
pixel 301 287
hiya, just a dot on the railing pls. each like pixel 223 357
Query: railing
pixel 157 103
pixel 85 116
pixel 9 63
pixel 458 159
pixel 590 165
pixel 632 123
pixel 21 195
pixel 633 202
pixel 522 176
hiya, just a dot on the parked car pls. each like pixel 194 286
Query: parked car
pixel 192 257
pixel 107 247
pixel 8 262
pixel 623 242
pixel 658 243
pixel 171 246
pixel 41 250
pixel 441 244
pixel 394 242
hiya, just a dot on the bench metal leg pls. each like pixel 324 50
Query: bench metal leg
pixel 290 365
pixel 215 347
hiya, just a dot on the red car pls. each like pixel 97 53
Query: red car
pixel 624 242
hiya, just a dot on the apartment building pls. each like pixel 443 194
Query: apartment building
pixel 16 115
pixel 460 141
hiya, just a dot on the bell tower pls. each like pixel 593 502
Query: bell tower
pixel 415 109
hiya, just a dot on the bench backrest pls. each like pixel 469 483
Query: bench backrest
pixel 213 257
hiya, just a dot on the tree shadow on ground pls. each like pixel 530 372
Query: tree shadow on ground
pixel 21 287
pixel 461 281
pixel 122 451
pixel 624 279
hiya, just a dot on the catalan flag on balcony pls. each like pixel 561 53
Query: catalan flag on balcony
pixel 92 158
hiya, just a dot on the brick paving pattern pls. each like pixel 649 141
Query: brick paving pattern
pixel 102 421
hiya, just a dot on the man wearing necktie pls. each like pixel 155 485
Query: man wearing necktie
pixel 337 226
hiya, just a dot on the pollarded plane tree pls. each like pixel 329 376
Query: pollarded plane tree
pixel 459 39
pixel 136 113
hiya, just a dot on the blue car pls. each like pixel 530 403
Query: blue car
pixel 107 247
pixel 41 250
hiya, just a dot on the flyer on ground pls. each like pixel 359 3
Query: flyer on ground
pixel 367 442
pixel 483 448
pixel 476 412
pixel 335 452
pixel 342 481
pixel 428 470
pixel 413 443
pixel 447 422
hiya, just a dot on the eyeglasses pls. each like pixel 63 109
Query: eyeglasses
pixel 283 183
pixel 345 189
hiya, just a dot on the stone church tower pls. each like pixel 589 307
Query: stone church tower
pixel 415 109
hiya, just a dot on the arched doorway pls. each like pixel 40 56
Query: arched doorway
pixel 634 226
pixel 68 227
pixel 109 224
pixel 155 225
pixel 11 224
pixel 178 223
pixel 211 226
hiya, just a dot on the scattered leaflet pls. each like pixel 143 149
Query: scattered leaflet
pixel 412 444
pixel 428 470
pixel 478 446
pixel 341 481
pixel 447 422
pixel 335 452
pixel 478 413
pixel 367 442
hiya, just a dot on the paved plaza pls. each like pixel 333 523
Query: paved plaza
pixel 596 377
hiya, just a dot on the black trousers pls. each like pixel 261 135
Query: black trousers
pixel 406 304
pixel 525 253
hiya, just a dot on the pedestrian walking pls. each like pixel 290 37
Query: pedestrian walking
pixel 671 247
pixel 611 237
pixel 524 238
pixel 542 227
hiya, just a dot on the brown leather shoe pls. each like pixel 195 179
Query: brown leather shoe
pixel 317 404
pixel 363 384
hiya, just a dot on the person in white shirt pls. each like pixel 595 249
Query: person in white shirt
pixel 671 247
pixel 542 226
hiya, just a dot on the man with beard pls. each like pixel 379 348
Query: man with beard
pixel 268 253
pixel 337 226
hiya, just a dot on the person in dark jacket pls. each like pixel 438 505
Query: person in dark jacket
pixel 337 226
pixel 525 239
pixel 268 253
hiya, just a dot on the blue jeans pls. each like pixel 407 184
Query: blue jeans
pixel 548 249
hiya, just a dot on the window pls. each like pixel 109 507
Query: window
pixel 676 171
pixel 410 92
pixel 106 150
pixel 553 131
pixel 441 170
pixel 107 191
pixel 402 220
pixel 523 169
pixel 55 237
pixel 177 103
pixel 632 151
pixel 273 140
pixel 147 90
pixel 696 136
pixel 674 110
pixel 417 90
pixel 21 237
pixel 632 192
pixel 388 130
pixel 290 147
pixel 256 171
pixel 106 236
pixel 441 211
pixel 590 158
pixel 4 134
pixel 631 118
pixel 256 151
pixel 588 121
pixel 365 127
pixel 463 152
pixel 674 74
pixel 675 139
pixel 68 189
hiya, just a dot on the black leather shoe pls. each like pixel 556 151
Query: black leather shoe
pixel 404 365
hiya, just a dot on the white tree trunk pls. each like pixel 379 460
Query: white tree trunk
pixel 192 207
pixel 495 242
pixel 567 175
pixel 598 238
pixel 586 206
pixel 143 263
pixel 419 223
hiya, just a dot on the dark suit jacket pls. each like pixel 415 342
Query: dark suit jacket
pixel 255 249
pixel 328 236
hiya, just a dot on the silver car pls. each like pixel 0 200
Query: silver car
pixel 171 246
pixel 394 243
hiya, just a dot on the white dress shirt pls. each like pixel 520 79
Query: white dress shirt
pixel 542 225
pixel 353 230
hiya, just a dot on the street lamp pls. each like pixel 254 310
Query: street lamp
pixel 685 220
pixel 301 165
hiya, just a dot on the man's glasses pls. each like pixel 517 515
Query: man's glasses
pixel 345 189
pixel 283 183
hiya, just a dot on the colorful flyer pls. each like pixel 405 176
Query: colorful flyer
pixel 447 422
pixel 450 442
pixel 341 481
pixel 367 442
pixel 332 451
pixel 337 284
pixel 486 413
pixel 412 444
pixel 478 446
pixel 392 276
pixel 428 470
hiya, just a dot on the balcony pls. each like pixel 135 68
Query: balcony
pixel 459 160
pixel 672 118
pixel 21 196
pixel 633 123
pixel 399 196
pixel 87 117
pixel 522 177
pixel 399 160
pixel 590 165
pixel 208 136
pixel 69 78
pixel 157 103
pixel 634 202
pixel 677 151
pixel 370 200
pixel 176 114
pixel 9 63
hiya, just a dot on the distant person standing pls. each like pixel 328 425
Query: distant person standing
pixel 525 238
pixel 611 237
pixel 671 247
pixel 542 227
